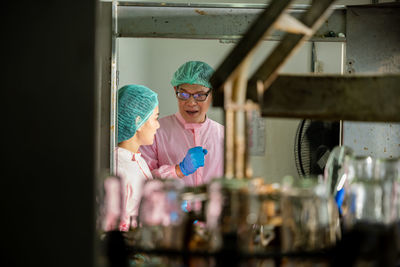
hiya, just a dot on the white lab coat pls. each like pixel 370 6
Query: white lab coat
pixel 133 171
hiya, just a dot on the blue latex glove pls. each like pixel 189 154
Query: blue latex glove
pixel 339 199
pixel 193 160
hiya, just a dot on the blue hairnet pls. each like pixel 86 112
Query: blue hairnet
pixel 193 72
pixel 135 105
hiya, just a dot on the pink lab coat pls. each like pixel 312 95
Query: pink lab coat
pixel 133 171
pixel 172 142
pixel 112 204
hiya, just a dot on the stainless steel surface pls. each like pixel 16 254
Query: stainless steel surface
pixel 373 45
pixel 373 39
pixel 335 97
pixel 257 138
pixel 373 139
pixel 293 7
pixel 207 21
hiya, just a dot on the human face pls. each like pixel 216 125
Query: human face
pixel 149 128
pixel 191 110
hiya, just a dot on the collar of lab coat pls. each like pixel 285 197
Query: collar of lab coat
pixel 129 154
pixel 191 126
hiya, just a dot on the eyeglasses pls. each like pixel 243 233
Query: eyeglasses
pixel 199 97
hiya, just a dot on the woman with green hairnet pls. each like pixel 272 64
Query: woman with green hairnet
pixel 188 139
pixel 137 125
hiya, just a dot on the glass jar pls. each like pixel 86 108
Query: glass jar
pixel 160 216
pixel 243 214
pixel 310 219
pixel 366 188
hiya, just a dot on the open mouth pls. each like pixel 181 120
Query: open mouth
pixel 192 112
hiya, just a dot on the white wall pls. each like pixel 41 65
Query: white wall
pixel 152 62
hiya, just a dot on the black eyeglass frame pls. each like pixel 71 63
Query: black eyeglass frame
pixel 193 95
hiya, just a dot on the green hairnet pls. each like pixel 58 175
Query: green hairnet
pixel 193 72
pixel 135 105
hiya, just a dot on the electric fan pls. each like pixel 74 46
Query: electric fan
pixel 313 143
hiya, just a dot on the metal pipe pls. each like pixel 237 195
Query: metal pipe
pixel 229 132
pixel 239 98
pixel 114 111
pixel 293 8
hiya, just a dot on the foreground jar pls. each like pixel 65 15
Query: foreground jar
pixel 161 217
pixel 310 219
pixel 243 214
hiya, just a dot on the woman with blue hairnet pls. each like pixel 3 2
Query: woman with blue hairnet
pixel 188 139
pixel 137 125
